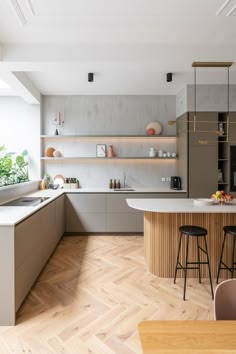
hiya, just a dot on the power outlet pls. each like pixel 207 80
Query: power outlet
pixel 167 179
pixel 163 179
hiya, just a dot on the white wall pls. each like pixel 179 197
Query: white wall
pixel 110 115
pixel 20 129
pixel 181 102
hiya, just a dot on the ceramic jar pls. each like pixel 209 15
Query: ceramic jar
pixel 152 152
pixel 110 152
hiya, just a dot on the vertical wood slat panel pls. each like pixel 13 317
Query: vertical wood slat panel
pixel 161 236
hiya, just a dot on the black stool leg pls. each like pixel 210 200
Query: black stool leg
pixel 232 266
pixel 209 268
pixel 177 262
pixel 198 256
pixel 221 256
pixel 186 267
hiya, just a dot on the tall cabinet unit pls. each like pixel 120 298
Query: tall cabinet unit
pixel 198 166
pixel 230 165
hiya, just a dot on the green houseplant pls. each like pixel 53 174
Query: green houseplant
pixel 13 167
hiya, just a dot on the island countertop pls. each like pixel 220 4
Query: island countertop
pixel 162 219
pixel 179 206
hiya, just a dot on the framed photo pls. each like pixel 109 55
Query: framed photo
pixel 101 150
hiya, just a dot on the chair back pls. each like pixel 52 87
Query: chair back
pixel 225 300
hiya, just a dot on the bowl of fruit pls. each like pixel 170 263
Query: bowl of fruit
pixel 220 197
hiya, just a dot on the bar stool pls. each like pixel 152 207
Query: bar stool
pixel 228 230
pixel 193 231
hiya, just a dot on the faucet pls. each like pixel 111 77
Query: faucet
pixel 124 178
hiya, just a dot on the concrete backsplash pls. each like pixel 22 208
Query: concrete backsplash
pixel 110 115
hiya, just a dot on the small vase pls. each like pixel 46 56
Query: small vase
pixel 110 151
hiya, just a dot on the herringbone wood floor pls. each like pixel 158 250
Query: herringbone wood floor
pixel 92 294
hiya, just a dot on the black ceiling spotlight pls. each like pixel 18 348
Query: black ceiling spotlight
pixel 169 77
pixel 90 77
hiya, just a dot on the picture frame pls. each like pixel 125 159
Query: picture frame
pixel 101 150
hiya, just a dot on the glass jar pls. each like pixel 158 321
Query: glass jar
pixel 220 176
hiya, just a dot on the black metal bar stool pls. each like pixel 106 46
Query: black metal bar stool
pixel 228 230
pixel 193 231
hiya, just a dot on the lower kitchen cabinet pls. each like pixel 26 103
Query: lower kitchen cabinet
pixel 35 240
pixel 106 212
pixel 85 212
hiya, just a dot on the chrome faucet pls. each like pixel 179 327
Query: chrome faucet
pixel 124 179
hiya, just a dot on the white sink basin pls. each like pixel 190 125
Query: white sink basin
pixel 26 201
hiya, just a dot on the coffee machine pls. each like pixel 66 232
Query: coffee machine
pixel 175 182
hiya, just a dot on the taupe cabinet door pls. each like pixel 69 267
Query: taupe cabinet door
pixel 35 240
pixel 203 157
pixel 85 212
pixel 107 212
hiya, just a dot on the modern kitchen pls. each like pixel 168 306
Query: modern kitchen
pixel 117 177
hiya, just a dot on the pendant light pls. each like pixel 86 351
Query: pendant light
pixel 196 65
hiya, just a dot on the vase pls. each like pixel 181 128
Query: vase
pixel 110 151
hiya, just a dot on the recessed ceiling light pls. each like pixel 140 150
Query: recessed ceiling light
pixel 3 84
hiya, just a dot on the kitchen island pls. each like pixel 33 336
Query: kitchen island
pixel 162 219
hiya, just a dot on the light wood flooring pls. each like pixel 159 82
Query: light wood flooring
pixel 92 294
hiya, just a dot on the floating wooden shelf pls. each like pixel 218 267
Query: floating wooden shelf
pixel 105 136
pixel 108 158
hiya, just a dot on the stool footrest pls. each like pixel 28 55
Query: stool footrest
pixel 188 268
pixel 202 250
pixel 197 263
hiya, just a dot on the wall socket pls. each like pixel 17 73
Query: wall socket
pixel 165 179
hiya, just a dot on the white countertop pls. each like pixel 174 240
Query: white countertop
pixel 179 206
pixel 136 190
pixel 11 215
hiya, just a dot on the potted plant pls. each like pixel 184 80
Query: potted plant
pixel 13 167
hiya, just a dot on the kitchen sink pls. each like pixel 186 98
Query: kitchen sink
pixel 124 190
pixel 26 201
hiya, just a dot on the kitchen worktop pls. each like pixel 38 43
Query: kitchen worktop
pixel 11 215
pixel 179 206
pixel 136 190
pixel 162 220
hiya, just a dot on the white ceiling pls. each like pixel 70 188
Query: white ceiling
pixel 130 45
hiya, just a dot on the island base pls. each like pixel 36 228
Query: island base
pixel 161 237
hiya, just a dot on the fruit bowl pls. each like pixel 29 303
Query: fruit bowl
pixel 220 197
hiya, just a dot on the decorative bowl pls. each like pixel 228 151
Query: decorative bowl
pixel 202 202
pixel 156 126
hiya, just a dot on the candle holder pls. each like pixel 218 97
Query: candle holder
pixel 58 121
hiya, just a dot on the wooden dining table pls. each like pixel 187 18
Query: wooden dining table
pixel 188 337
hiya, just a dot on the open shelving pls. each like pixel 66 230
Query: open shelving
pixel 108 158
pixel 105 136
pixel 70 145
